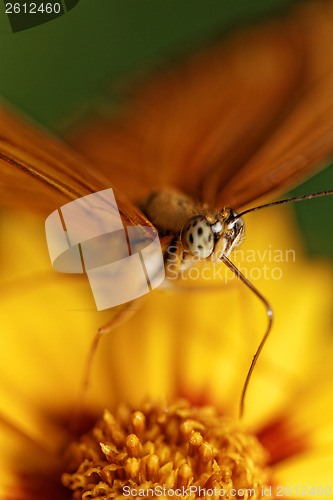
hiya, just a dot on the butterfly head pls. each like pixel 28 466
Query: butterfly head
pixel 212 234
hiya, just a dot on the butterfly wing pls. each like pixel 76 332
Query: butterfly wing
pixel 39 171
pixel 303 139
pixel 223 125
pixel 302 142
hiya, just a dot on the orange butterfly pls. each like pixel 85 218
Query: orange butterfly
pixel 232 123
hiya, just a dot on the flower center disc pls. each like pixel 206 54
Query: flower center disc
pixel 166 451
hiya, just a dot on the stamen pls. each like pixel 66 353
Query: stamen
pixel 133 445
pixel 173 446
pixel 184 476
pixel 139 423
pixel 205 452
pixel 132 468
pixel 194 443
pixel 152 467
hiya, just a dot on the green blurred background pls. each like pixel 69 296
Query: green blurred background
pixel 56 71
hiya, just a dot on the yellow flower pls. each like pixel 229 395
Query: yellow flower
pixel 193 344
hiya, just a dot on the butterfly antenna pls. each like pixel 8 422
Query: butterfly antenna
pixel 269 311
pixel 281 202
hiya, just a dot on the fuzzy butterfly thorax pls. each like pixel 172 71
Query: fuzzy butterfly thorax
pixel 193 228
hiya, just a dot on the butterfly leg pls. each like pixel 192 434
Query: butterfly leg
pixel 173 259
pixel 124 312
pixel 234 269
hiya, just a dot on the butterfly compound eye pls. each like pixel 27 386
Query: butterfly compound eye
pixel 198 237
